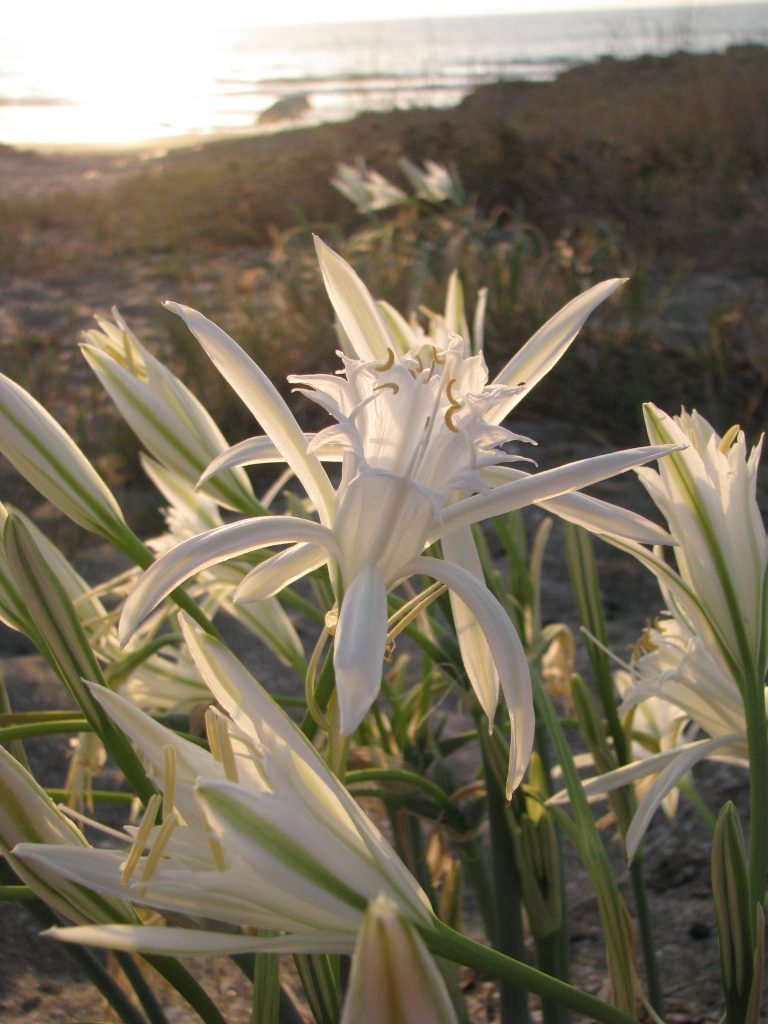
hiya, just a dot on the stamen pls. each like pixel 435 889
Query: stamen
pixel 389 650
pixel 388 363
pixel 163 836
pixel 394 388
pixel 142 835
pixel 404 616
pixel 169 775
pixel 453 407
pixel 216 848
pixel 728 438
pixel 227 752
pixel 331 621
pixel 211 733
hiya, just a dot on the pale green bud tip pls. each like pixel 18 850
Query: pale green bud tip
pixel 394 977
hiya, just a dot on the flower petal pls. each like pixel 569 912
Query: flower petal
pixel 265 402
pixel 359 646
pixel 540 353
pixel 549 484
pixel 593 514
pixel 667 780
pixel 207 549
pixel 459 548
pixel 508 655
pixel 357 312
pixel 197 942
pixel 278 571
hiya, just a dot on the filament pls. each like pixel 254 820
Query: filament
pixel 142 835
pixel 163 837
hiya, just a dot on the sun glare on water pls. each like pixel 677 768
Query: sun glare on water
pixel 130 81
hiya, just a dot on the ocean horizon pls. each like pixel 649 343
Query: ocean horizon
pixel 331 72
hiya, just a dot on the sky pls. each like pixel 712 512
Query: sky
pixel 180 16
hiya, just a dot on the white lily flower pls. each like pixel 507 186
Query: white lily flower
pixel 433 183
pixel 256 834
pixel 366 189
pixel 686 708
pixel 414 435
pixel 393 975
pixel 707 493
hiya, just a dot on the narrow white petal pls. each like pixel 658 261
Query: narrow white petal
pixel 207 549
pixel 599 785
pixel 277 572
pixel 359 646
pixel 540 353
pixel 195 942
pixel 508 654
pixel 541 486
pixel 459 548
pixel 593 514
pixel 666 781
pixel 265 402
pixel 357 312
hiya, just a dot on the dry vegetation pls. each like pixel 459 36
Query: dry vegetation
pixel 655 168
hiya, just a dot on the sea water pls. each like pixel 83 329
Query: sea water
pixel 151 87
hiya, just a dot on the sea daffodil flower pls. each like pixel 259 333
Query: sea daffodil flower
pixel 368 190
pixel 415 436
pixel 688 708
pixel 707 494
pixel 257 833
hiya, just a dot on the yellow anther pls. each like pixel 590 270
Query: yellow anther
pixel 331 621
pixel 450 412
pixel 454 406
pixel 142 835
pixel 163 836
pixel 389 650
pixel 169 775
pixel 644 644
pixel 388 363
pixel 390 385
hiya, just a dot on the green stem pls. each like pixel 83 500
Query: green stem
pixel 757 741
pixel 646 933
pixel 20 732
pixel 187 987
pixel 444 941
pixel 138 982
pixel 17 893
pixel 508 934
pixel 552 954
